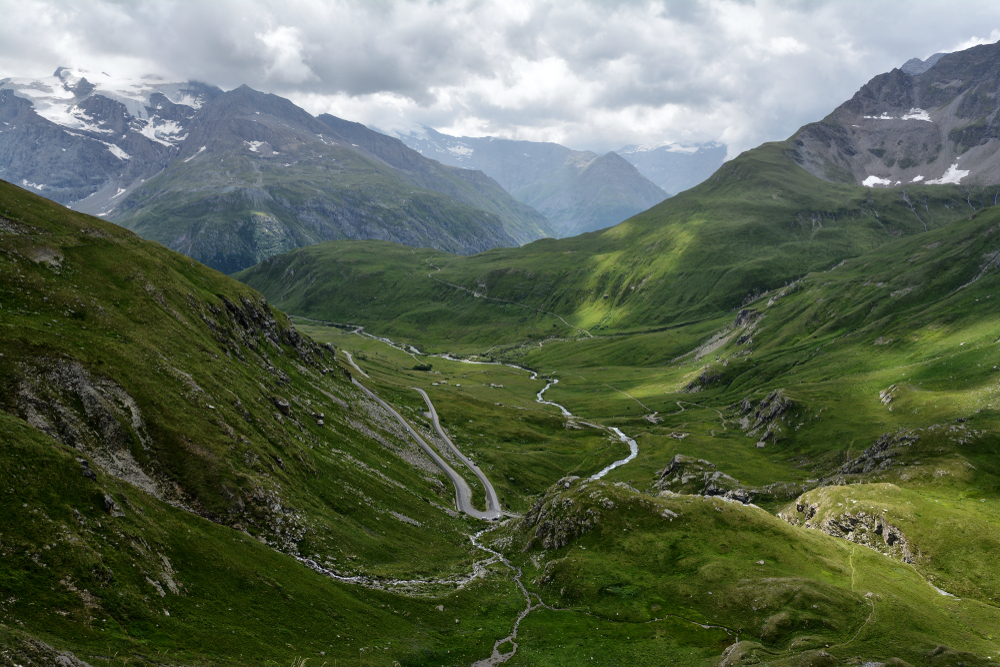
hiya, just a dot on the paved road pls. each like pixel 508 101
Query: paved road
pixel 351 359
pixel 492 502
pixel 463 494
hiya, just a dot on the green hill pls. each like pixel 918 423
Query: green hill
pixel 174 446
pixel 171 446
pixel 759 223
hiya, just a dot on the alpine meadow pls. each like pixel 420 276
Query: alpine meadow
pixel 280 388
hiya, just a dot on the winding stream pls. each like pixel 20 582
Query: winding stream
pixel 633 451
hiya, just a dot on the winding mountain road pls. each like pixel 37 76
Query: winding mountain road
pixel 492 501
pixel 463 494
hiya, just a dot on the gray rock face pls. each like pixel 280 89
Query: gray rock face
pixel 81 142
pixel 931 123
pixel 915 66
pixel 880 455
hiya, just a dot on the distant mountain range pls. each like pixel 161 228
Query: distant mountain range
pixel 230 178
pixel 578 191
pixel 673 167
pixel 932 121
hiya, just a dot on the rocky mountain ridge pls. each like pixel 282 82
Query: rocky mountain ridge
pixel 92 143
pixel 934 122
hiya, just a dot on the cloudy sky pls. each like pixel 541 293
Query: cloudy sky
pixel 590 75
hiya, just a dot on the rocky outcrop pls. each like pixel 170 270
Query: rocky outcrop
pixel 557 519
pixel 879 456
pixel 872 530
pixel 90 413
pixel 686 474
pixel 767 419
pixel 708 376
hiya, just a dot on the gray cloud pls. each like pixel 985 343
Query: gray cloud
pixel 592 75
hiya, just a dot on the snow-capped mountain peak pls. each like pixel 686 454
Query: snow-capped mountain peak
pixel 60 98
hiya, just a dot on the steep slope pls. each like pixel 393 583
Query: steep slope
pixel 84 139
pixel 469 186
pixel 170 434
pixel 577 191
pixel 258 175
pixel 938 125
pixel 675 168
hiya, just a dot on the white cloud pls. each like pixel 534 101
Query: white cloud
pixel 590 74
pixel 284 49
pixel 977 41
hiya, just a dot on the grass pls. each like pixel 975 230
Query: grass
pixel 897 339
pixel 781 588
pixel 758 224
pixel 852 310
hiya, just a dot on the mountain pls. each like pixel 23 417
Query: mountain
pixel 675 168
pixel 187 476
pixel 936 125
pixel 777 346
pixel 76 134
pixel 756 423
pixel 180 467
pixel 126 151
pixel 258 175
pixel 469 186
pixel 590 194
pixel 917 66
pixel 759 223
pixel 567 186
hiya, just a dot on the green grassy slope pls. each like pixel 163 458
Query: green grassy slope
pixel 864 362
pixel 759 223
pixel 625 583
pixel 167 403
pixel 635 579
pixel 153 584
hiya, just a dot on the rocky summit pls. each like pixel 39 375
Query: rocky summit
pixel 935 123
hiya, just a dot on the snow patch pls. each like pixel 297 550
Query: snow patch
pixel 36 186
pixel 254 145
pixel 166 132
pixel 117 152
pixel 917 179
pixel 461 150
pixel 954 176
pixel 54 97
pixel 872 181
pixel 917 114
pixel 120 192
pixel 200 150
pixel 884 116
